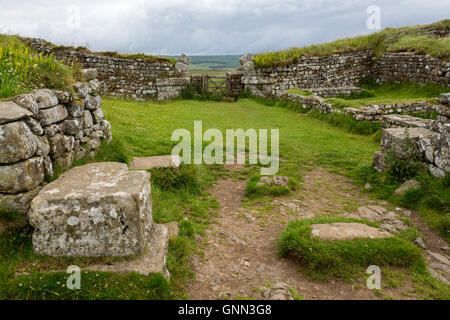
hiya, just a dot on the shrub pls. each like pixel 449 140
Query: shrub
pixel 347 259
pixel 184 177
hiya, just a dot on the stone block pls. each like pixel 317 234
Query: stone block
pixel 10 112
pixel 22 176
pixel 52 115
pixel 45 98
pixel 17 142
pixel 99 209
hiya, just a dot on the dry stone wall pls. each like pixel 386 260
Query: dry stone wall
pixel 133 78
pixel 408 137
pixel 42 129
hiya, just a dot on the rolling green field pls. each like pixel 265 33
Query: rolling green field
pixel 216 65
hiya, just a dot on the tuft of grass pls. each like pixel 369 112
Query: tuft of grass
pixel 254 191
pixel 300 92
pixel 347 122
pixel 346 259
pixel 388 93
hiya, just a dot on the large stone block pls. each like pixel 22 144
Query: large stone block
pixel 22 176
pixel 89 74
pixel 27 101
pixel 17 142
pixel 52 115
pixel 100 209
pixel 406 142
pixel 9 112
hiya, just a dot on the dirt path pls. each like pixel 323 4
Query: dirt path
pixel 240 253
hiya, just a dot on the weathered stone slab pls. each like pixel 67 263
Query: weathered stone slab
pixel 346 231
pixel 152 261
pixel 144 163
pixel 27 101
pixel 22 176
pixel 45 98
pixel 371 213
pixel 408 185
pixel 9 112
pixel 99 209
pixel 17 142
pixel 395 139
pixel 52 115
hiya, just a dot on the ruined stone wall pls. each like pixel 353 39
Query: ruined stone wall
pixel 42 129
pixel 336 70
pixel 407 66
pixel 426 140
pixel 132 78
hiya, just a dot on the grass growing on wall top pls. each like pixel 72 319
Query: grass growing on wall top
pixel 23 70
pixel 388 93
pixel 389 39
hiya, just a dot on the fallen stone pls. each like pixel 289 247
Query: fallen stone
pixel 346 231
pixel 152 261
pixel 419 241
pixel 280 181
pixel 371 213
pixel 144 163
pixel 10 112
pixel 17 142
pixel 99 209
pixel 408 185
pixel 389 227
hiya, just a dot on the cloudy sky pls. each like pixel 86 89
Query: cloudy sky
pixel 206 26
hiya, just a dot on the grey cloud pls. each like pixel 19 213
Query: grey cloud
pixel 207 26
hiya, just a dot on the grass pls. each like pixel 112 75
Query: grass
pixel 346 259
pixel 144 129
pixel 300 92
pixel 388 93
pixel 390 39
pixel 23 70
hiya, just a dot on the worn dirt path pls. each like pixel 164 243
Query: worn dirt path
pixel 240 253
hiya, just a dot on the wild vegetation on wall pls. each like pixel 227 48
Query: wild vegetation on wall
pixel 390 39
pixel 23 70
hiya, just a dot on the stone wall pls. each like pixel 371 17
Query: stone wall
pixel 364 113
pixel 133 78
pixel 427 141
pixel 324 74
pixel 336 70
pixel 42 129
pixel 407 66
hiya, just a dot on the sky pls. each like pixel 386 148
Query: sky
pixel 205 27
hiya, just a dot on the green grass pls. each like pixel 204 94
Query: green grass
pixel 389 39
pixel 346 259
pixel 388 93
pixel 300 92
pixel 23 70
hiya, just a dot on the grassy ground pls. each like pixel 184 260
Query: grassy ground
pixel 144 129
pixel 22 69
pixel 389 39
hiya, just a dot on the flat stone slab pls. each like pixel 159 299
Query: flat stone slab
pixel 152 261
pixel 99 209
pixel 144 163
pixel 9 112
pixel 346 231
